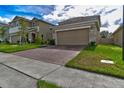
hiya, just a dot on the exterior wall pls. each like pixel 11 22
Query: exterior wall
pixel 93 34
pixel 117 37
pixel 73 37
pixel 45 30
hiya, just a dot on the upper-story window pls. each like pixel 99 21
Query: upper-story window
pixel 33 24
pixel 51 28
pixel 17 23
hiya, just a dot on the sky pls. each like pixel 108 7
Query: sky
pixel 111 16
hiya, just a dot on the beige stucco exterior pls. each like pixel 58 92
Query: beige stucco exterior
pixel 45 29
pixel 117 36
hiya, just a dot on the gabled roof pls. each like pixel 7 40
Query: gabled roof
pixel 19 17
pixel 81 19
pixel 42 21
pixel 118 29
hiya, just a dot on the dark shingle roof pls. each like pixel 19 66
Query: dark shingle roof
pixel 80 19
pixel 43 21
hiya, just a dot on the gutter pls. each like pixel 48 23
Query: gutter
pixel 68 29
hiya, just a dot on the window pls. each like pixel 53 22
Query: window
pixel 51 29
pixel 17 23
pixel 33 24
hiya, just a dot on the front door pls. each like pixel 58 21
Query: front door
pixel 33 37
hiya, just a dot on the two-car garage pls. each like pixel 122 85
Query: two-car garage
pixel 73 36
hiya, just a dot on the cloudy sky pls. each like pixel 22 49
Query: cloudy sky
pixel 111 16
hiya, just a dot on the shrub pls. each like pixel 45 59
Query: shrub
pixel 51 42
pixel 7 42
pixel 38 39
pixel 92 43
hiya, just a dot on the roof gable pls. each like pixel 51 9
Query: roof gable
pixel 18 18
pixel 81 19
pixel 42 21
pixel 118 29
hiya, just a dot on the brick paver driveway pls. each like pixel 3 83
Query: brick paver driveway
pixel 53 55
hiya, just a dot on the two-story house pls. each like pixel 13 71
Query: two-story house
pixel 33 27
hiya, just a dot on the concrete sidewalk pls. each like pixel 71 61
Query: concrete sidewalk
pixel 16 71
pixel 72 78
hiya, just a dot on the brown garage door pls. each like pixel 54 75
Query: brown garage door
pixel 73 37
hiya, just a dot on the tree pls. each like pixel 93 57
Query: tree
pixel 104 34
pixel 38 39
pixel 3 29
pixel 22 31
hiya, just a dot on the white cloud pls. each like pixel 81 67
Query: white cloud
pixel 4 20
pixel 107 15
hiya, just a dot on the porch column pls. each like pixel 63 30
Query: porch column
pixel 29 37
pixel 10 39
pixel 20 39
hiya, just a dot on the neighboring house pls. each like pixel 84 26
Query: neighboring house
pixel 77 31
pixel 2 31
pixel 117 36
pixel 33 27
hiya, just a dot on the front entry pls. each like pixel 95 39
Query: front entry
pixel 33 37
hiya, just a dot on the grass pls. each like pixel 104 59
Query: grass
pixel 10 48
pixel 45 84
pixel 89 59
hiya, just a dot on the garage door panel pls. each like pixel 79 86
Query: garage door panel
pixel 73 37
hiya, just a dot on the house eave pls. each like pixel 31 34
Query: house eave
pixel 68 29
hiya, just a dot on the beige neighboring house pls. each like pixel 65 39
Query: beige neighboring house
pixel 33 27
pixel 117 36
pixel 77 31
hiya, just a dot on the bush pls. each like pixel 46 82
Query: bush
pixel 43 42
pixel 92 43
pixel 51 42
pixel 7 42
pixel 38 39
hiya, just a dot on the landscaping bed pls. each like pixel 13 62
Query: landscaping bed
pixel 90 57
pixel 10 48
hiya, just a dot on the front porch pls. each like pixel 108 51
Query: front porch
pixel 15 37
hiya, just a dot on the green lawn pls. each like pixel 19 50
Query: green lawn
pixel 10 48
pixel 45 84
pixel 89 59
